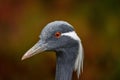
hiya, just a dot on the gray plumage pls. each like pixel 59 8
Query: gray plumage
pixel 67 46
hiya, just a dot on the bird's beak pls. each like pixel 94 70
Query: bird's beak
pixel 37 48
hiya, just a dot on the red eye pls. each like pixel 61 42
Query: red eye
pixel 57 34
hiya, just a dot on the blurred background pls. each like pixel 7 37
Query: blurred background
pixel 97 22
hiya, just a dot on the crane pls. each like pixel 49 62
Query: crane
pixel 60 36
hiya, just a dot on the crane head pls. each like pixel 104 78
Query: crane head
pixel 56 36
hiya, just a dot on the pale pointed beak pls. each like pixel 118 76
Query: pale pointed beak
pixel 37 48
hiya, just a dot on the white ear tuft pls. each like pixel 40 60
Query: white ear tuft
pixel 79 60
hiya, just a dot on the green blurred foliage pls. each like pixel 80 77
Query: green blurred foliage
pixel 97 22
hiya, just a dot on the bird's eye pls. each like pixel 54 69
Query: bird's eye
pixel 57 34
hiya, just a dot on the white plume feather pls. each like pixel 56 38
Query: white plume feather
pixel 79 60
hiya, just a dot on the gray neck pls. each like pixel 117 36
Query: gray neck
pixel 65 63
